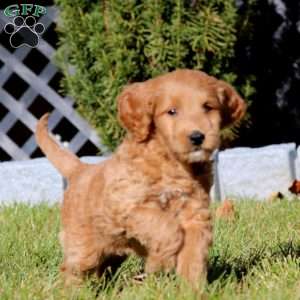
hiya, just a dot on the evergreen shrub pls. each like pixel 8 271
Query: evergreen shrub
pixel 105 45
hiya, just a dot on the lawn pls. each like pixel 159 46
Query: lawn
pixel 255 256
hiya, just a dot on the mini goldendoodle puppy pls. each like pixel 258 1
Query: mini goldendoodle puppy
pixel 152 196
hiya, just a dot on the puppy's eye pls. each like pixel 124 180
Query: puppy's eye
pixel 207 107
pixel 172 112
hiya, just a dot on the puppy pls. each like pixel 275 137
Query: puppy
pixel 152 196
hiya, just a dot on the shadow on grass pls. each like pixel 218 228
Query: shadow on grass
pixel 111 266
pixel 115 273
pixel 239 267
pixel 222 267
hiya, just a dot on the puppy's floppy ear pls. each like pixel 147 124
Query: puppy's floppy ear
pixel 232 105
pixel 135 110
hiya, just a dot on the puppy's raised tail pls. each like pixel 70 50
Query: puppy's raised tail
pixel 62 159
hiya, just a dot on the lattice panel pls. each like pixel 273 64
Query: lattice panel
pixel 29 89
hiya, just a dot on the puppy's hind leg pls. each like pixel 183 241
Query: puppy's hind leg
pixel 81 256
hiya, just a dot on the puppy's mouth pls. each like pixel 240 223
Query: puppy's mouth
pixel 199 155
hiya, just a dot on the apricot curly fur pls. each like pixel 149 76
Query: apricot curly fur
pixel 152 196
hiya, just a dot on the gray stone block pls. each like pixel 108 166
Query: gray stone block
pixel 30 181
pixel 256 172
pixel 94 159
pixel 33 181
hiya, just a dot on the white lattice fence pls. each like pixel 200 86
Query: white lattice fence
pixel 26 93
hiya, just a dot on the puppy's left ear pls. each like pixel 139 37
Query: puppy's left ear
pixel 233 107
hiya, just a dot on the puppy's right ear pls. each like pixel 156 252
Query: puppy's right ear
pixel 135 110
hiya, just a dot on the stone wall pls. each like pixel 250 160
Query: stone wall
pixel 240 173
pixel 256 172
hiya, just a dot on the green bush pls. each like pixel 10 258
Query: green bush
pixel 107 44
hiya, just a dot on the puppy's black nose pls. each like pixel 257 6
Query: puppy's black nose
pixel 197 138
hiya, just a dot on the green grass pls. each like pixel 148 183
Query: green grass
pixel 255 256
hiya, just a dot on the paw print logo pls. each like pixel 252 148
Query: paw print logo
pixel 24 31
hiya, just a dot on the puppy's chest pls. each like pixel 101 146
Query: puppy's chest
pixel 168 192
pixel 172 195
